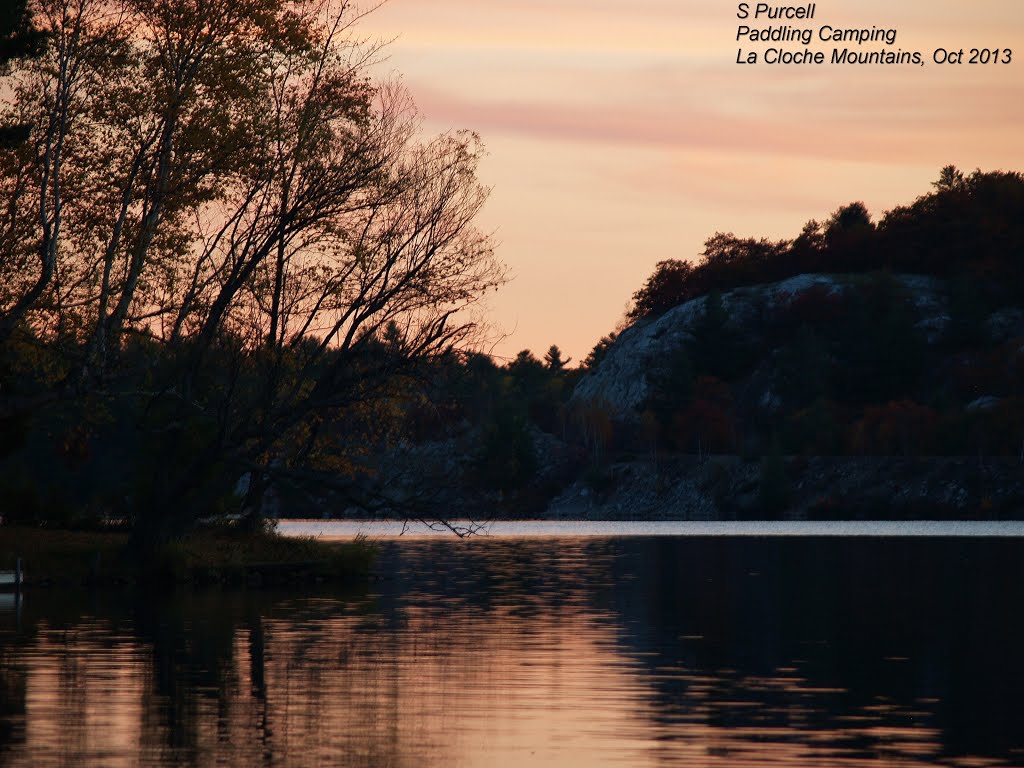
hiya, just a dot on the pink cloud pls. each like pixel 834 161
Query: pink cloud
pixel 835 129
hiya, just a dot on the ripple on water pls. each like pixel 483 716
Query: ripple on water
pixel 556 651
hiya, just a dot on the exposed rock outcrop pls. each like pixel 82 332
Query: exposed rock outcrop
pixel 958 385
pixel 622 380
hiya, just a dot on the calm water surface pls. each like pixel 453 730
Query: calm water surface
pixel 346 529
pixel 544 651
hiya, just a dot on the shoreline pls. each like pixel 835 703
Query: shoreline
pixel 53 557
pixel 391 530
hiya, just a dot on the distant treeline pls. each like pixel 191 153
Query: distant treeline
pixel 969 225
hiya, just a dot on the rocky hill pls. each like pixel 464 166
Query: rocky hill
pixel 822 396
pixel 834 396
pixel 865 368
pixel 623 378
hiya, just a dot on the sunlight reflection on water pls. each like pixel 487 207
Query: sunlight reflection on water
pixel 544 652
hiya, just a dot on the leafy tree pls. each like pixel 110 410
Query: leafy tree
pixel 600 350
pixel 811 238
pixel 667 287
pixel 807 252
pixel 848 234
pixel 969 223
pixel 744 258
pixel 18 36
pixel 727 262
pixel 525 365
pixel 227 181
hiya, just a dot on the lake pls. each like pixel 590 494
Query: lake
pixel 390 529
pixel 586 648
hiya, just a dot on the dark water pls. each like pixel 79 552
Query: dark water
pixel 546 652
pixel 519 529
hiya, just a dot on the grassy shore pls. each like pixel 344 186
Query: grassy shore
pixel 208 557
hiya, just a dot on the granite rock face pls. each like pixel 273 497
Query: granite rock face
pixel 621 381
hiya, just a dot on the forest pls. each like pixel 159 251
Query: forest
pixel 900 341
pixel 237 280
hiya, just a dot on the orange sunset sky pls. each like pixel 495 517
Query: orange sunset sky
pixel 623 133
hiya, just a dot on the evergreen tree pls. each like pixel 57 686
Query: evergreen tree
pixel 553 359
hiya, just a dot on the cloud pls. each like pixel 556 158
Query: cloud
pixel 861 123
pixel 623 133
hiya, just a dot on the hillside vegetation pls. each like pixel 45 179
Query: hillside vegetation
pixel 908 342
pixel 903 338
pixel 862 356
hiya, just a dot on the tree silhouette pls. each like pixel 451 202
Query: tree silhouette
pixel 600 350
pixel 224 230
pixel 950 178
pixel 968 224
pixel 667 287
pixel 18 39
pixel 553 359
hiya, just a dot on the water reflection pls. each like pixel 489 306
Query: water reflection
pixel 547 652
